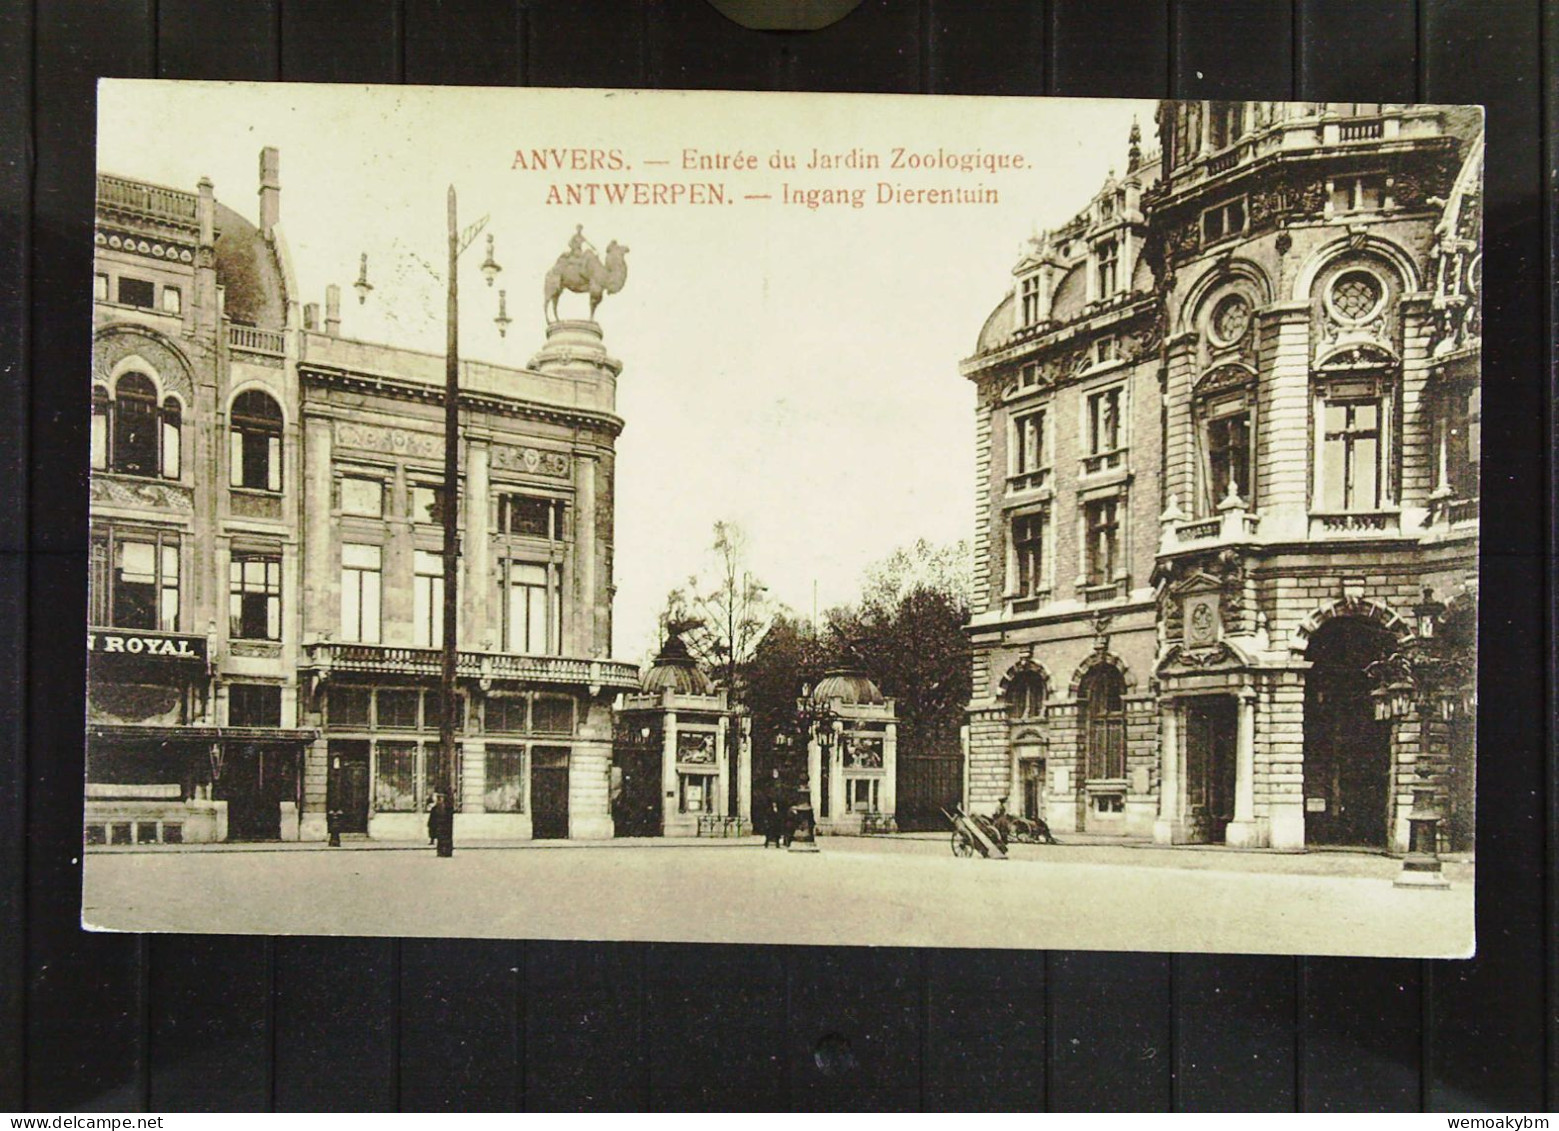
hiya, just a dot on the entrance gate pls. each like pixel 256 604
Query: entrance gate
pixel 636 808
pixel 348 783
pixel 1347 751
pixel 1211 726
pixel 549 793
pixel 927 784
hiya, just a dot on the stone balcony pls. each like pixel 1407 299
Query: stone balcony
pixel 1233 525
pixel 384 659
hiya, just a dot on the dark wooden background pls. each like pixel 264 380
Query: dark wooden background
pixel 178 1023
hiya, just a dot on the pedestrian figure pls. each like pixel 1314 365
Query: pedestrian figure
pixel 773 819
pixel 1002 822
pixel 441 824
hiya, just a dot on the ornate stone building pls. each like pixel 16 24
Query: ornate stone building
pixel 1290 649
pixel 265 513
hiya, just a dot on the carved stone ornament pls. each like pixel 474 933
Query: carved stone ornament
pixel 531 461
pixel 1202 625
pixel 114 491
pixel 394 441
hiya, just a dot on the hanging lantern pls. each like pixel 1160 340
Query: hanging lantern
pixel 502 320
pixel 362 286
pixel 490 266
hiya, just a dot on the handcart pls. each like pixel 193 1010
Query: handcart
pixel 971 834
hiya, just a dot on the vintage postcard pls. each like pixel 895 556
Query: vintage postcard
pixel 790 518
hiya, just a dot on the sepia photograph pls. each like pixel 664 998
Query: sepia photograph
pixel 784 518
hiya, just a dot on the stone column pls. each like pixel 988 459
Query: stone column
pixel 1242 831
pixel 668 772
pixel 890 762
pixel 1170 827
pixel 581 640
pixel 722 767
pixel 478 630
pixel 743 740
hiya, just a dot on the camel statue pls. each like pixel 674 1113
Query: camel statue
pixel 580 270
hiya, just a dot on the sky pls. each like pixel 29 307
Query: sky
pixel 790 369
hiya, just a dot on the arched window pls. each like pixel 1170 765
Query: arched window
pixel 254 449
pixel 1026 695
pixel 101 411
pixel 1104 723
pixel 172 423
pixel 134 450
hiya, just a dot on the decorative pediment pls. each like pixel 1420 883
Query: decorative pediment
pixel 1222 378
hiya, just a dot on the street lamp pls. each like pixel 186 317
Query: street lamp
pixel 815 719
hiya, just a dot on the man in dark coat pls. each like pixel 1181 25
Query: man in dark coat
pixel 441 825
pixel 771 815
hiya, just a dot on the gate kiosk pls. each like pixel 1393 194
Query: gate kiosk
pixel 680 764
pixel 852 761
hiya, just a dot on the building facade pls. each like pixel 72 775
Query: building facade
pixel 267 579
pixel 1246 613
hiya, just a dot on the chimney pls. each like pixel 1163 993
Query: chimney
pixel 207 297
pixel 311 316
pixel 333 310
pixel 270 189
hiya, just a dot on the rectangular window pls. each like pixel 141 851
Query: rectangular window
pixel 696 793
pixel 1102 517
pixel 1459 443
pixel 140 588
pixel 506 716
pixel 1028 444
pixel 1107 257
pixel 1358 194
pixel 1223 220
pixel 1104 421
pixel 100 410
pixel 1228 457
pixel 348 706
pixel 253 705
pixel 100 287
pixel 1030 293
pixel 1351 455
pixel 503 787
pixel 425 503
pixel 433 773
pixel 395 778
pixel 1028 551
pixel 427 599
pixel 397 708
pixel 254 596
pixel 531 517
pixel 1028 376
pixel 362 496
pixel 862 795
pixel 433 711
pixel 532 607
pixel 360 585
pixel 553 715
pixel 137 292
pixel 172 301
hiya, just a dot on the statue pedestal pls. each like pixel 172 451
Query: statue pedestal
pixel 574 348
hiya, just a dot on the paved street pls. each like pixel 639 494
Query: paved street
pixel 903 891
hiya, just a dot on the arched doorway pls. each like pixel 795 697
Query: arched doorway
pixel 1347 751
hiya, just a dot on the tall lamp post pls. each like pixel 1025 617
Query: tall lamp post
pixel 814 718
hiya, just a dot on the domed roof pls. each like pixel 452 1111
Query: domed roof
pixel 998 327
pixel 1071 294
pixel 675 670
pixel 253 292
pixel 848 685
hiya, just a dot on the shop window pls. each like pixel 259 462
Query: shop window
pixel 1224 220
pixel 1026 696
pixel 433 711
pixel 530 516
pixel 1101 518
pixel 254 596
pixel 1104 723
pixel 863 795
pixel 172 301
pixel 433 773
pixel 362 496
pixel 397 708
pixel 506 716
pixel 254 442
pixel 360 589
pixel 395 777
pixel 254 705
pixel 696 793
pixel 135 580
pixel 503 786
pixel 554 715
pixel 1030 533
pixel 532 607
pixel 1358 194
pixel 348 706
pixel 136 292
pixel 427 599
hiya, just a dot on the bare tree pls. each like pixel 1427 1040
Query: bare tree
pixel 724 611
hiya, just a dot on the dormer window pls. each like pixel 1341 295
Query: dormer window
pixel 1106 267
pixel 1029 291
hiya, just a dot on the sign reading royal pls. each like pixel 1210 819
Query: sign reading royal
pixel 166 646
